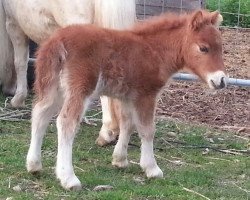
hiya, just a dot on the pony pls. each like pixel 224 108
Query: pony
pixel 37 20
pixel 79 63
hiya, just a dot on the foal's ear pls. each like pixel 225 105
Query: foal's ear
pixel 216 18
pixel 197 20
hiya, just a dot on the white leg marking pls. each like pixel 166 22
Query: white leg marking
pixel 67 127
pixel 147 161
pixel 41 115
pixel 126 126
pixel 121 150
pixel 106 134
pixel 64 169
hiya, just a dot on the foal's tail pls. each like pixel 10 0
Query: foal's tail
pixel 7 68
pixel 49 62
pixel 115 14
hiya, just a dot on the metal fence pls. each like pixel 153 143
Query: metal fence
pixel 235 12
pixel 146 8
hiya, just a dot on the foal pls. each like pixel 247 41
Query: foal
pixel 80 62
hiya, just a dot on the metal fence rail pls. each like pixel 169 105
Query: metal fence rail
pixel 147 8
pixel 230 81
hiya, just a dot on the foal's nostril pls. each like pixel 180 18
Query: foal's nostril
pixel 217 80
pixel 222 82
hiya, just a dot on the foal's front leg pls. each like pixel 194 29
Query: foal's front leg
pixel 144 120
pixel 126 127
pixel 67 123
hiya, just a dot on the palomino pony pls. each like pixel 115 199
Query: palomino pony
pixel 38 20
pixel 79 63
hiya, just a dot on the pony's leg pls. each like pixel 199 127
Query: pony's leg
pixel 21 55
pixel 126 128
pixel 144 121
pixel 7 69
pixel 42 113
pixel 67 123
pixel 9 85
pixel 110 127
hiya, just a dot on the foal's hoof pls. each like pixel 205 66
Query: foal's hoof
pixel 100 141
pixel 106 138
pixel 72 184
pixel 34 166
pixel 17 103
pixel 154 172
pixel 120 164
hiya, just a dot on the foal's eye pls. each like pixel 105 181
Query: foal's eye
pixel 204 49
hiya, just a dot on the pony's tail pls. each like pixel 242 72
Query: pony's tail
pixel 7 67
pixel 50 59
pixel 115 14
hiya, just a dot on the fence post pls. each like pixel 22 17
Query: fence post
pixel 203 4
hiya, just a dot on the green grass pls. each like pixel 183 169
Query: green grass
pixel 215 175
pixel 230 10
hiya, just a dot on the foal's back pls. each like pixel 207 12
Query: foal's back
pixel 107 59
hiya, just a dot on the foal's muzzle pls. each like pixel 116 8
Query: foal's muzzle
pixel 217 80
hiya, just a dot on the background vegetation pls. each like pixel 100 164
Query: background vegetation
pixel 230 10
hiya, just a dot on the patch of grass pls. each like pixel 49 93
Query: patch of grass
pixel 213 174
pixel 230 10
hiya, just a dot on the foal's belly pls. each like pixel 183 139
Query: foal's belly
pixel 115 87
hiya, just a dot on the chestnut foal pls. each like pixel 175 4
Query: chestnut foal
pixel 81 62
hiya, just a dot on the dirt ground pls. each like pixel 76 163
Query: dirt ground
pixel 227 109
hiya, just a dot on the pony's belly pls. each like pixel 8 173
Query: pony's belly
pixel 35 20
pixel 38 27
pixel 38 34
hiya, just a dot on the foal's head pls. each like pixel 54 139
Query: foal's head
pixel 203 48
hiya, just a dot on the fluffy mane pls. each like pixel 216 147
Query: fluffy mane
pixel 165 21
pixel 169 21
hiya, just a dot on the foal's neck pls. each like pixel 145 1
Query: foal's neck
pixel 168 43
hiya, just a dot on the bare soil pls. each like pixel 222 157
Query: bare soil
pixel 227 109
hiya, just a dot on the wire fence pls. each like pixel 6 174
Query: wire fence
pixel 236 12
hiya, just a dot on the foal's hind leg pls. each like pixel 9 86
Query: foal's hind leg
pixel 42 113
pixel 110 121
pixel 21 55
pixel 67 123
pixel 144 120
pixel 126 128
